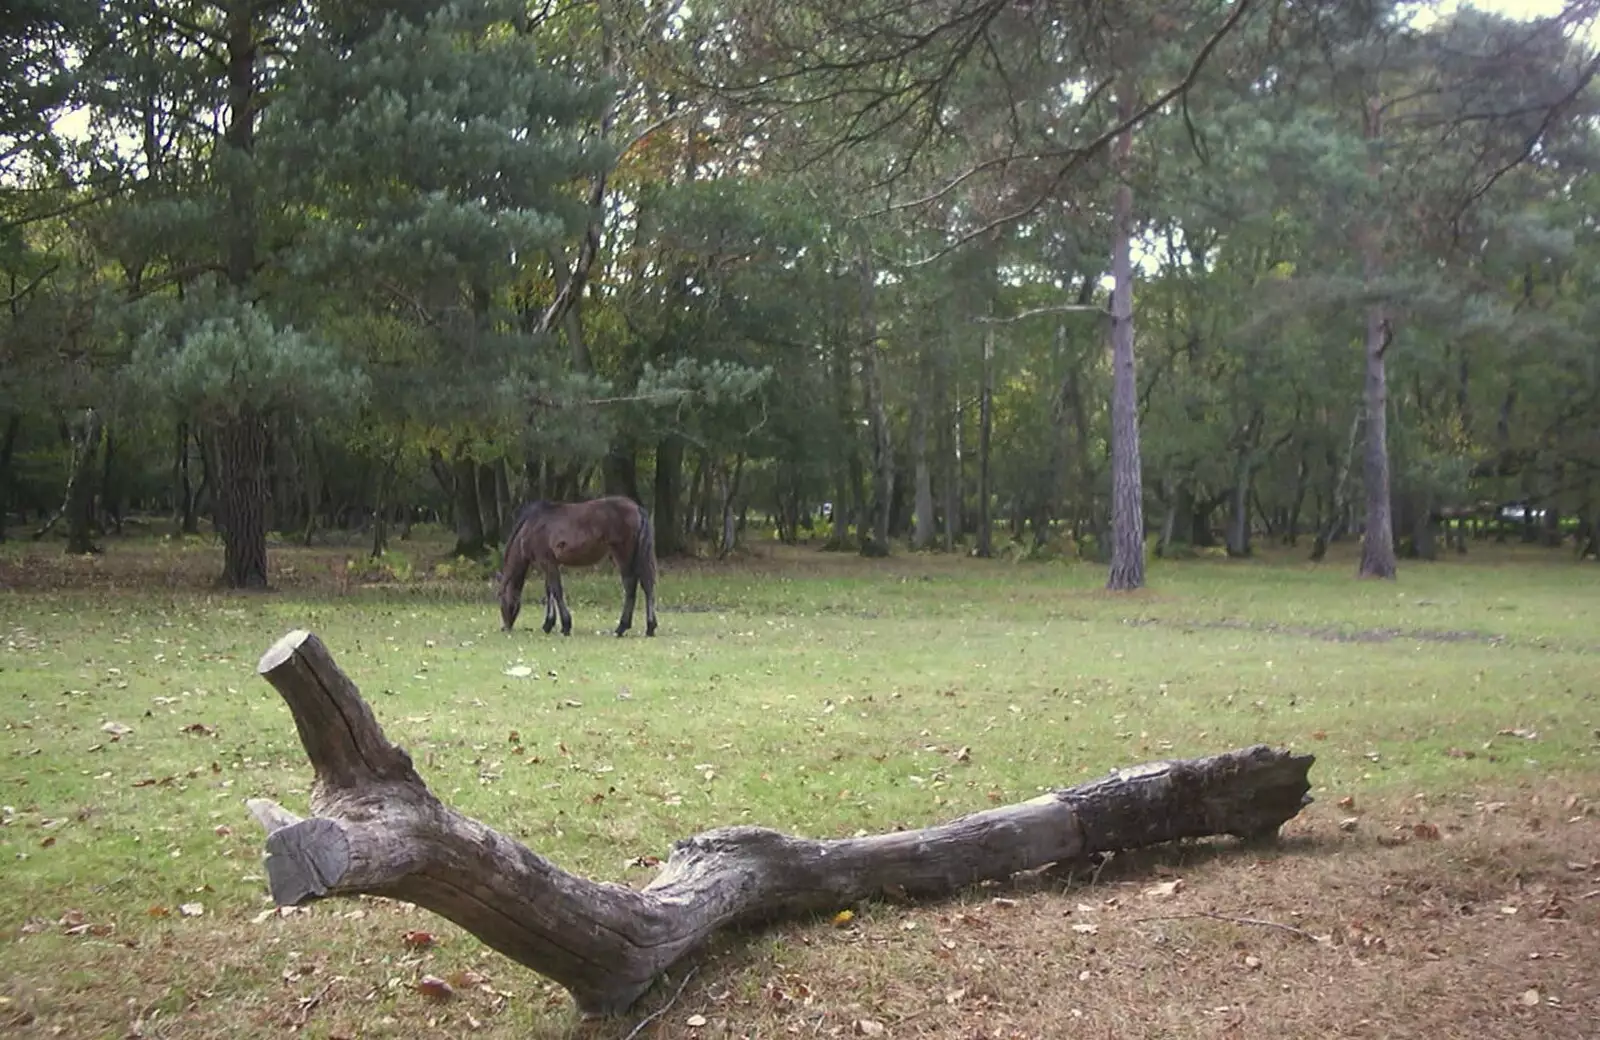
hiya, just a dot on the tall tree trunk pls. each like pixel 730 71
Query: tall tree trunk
pixel 875 540
pixel 922 530
pixel 1127 488
pixel 669 474
pixel 1377 542
pixel 621 472
pixel 488 502
pixel 80 485
pixel 241 441
pixel 985 546
pixel 241 499
pixel 464 501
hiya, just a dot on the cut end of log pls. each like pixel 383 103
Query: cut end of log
pixel 281 651
pixel 306 860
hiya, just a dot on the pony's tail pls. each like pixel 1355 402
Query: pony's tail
pixel 643 563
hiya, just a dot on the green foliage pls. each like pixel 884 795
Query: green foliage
pixel 213 355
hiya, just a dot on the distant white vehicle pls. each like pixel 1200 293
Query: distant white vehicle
pixel 1520 512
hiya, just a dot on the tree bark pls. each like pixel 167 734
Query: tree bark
pixel 1377 542
pixel 378 829
pixel 1127 487
pixel 241 499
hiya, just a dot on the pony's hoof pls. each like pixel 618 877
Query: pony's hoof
pixel 650 631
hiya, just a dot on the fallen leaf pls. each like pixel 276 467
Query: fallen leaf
pixel 116 729
pixel 1086 929
pixel 199 729
pixel 159 911
pixel 1348 803
pixel 1529 998
pixel 843 918
pixel 695 1021
pixel 434 988
pixel 192 910
pixel 964 755
pixel 869 1027
pixel 419 940
pixel 1426 831
pixel 1252 962
pixel 520 671
pixel 1349 823
pixel 222 830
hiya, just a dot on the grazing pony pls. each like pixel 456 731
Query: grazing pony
pixel 546 535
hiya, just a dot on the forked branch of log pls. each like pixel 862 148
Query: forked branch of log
pixel 378 829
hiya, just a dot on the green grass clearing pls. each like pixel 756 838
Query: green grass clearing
pixel 813 693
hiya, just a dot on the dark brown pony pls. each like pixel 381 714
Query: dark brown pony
pixel 579 534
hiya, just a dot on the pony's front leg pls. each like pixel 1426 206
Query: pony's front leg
pixel 549 604
pixel 559 596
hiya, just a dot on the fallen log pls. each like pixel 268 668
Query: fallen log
pixel 377 829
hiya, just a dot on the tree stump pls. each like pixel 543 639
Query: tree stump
pixel 377 829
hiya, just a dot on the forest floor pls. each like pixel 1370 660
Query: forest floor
pixel 1446 882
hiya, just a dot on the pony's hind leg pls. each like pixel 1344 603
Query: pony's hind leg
pixel 630 594
pixel 649 582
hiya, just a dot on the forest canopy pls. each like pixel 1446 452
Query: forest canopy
pixel 1100 278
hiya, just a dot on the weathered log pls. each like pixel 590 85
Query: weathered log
pixel 379 830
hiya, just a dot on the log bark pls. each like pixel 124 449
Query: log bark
pixel 378 829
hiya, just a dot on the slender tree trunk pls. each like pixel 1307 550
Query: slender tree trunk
pixel 875 540
pixel 1377 542
pixel 1127 489
pixel 985 546
pixel 241 445
pixel 111 494
pixel 464 500
pixel 183 492
pixel 922 531
pixel 951 456
pixel 80 485
pixel 730 491
pixel 8 445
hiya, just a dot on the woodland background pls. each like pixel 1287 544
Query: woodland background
pixel 1102 277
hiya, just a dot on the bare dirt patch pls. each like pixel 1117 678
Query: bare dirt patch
pixel 1469 917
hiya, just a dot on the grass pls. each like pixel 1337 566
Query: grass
pixel 822 695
